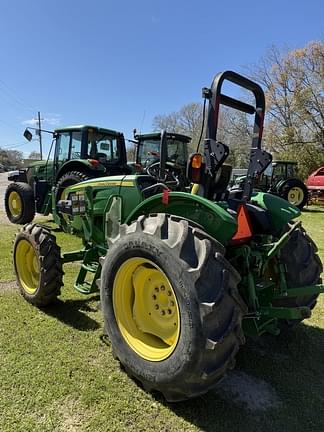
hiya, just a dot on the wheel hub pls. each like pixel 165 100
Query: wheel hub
pixel 15 204
pixel 146 309
pixel 27 266
pixel 295 195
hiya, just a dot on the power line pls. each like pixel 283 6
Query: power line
pixel 8 124
pixel 12 146
pixel 19 101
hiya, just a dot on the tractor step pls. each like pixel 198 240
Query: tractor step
pixel 91 267
pixel 84 287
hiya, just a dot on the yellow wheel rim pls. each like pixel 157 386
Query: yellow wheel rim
pixel 27 266
pixel 146 309
pixel 15 203
pixel 296 195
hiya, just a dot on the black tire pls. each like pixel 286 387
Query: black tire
pixel 26 211
pixel 210 308
pixel 299 198
pixel 69 179
pixel 303 268
pixel 39 283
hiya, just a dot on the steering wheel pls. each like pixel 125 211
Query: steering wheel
pixel 171 174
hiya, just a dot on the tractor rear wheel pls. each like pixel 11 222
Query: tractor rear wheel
pixel 69 179
pixel 303 268
pixel 171 306
pixel 19 203
pixel 38 265
pixel 295 192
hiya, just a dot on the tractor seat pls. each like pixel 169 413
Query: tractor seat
pixel 219 188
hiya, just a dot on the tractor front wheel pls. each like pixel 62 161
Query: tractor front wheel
pixel 38 265
pixel 20 203
pixel 69 179
pixel 171 306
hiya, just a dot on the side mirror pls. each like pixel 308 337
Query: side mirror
pixel 28 135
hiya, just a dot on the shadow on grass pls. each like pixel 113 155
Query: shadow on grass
pixel 73 313
pixel 278 385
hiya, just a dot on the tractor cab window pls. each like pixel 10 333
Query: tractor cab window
pixel 268 171
pixel 102 147
pixel 177 152
pixel 291 170
pixel 76 145
pixel 149 152
pixel 279 171
pixel 63 146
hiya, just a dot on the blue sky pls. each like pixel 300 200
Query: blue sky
pixel 117 64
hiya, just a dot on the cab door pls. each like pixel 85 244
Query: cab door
pixel 63 148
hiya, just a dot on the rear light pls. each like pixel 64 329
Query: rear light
pixel 196 161
pixel 194 167
pixel 94 162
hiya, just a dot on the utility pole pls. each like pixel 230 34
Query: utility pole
pixel 40 135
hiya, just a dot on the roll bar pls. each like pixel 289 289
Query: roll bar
pixel 216 98
pixel 216 152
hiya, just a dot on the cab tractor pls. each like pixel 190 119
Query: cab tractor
pixel 148 150
pixel 184 276
pixel 80 153
pixel 281 178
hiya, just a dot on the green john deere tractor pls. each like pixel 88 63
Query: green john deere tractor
pixel 183 276
pixel 280 178
pixel 149 148
pixel 80 153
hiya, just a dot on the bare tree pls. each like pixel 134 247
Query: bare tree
pixel 234 129
pixel 34 155
pixel 11 159
pixel 187 121
pixel 294 85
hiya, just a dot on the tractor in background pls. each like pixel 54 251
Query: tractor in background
pixel 184 275
pixel 149 148
pixel 80 153
pixel 280 178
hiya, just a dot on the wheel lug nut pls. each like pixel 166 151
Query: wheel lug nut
pixel 169 293
pixel 154 297
pixel 162 287
pixel 162 312
pixel 169 311
pixel 156 289
pixel 156 307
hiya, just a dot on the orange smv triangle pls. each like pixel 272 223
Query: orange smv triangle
pixel 244 231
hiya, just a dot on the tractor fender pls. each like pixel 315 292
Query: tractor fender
pixel 81 165
pixel 216 221
pixel 280 210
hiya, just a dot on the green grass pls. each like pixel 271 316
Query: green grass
pixel 57 374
